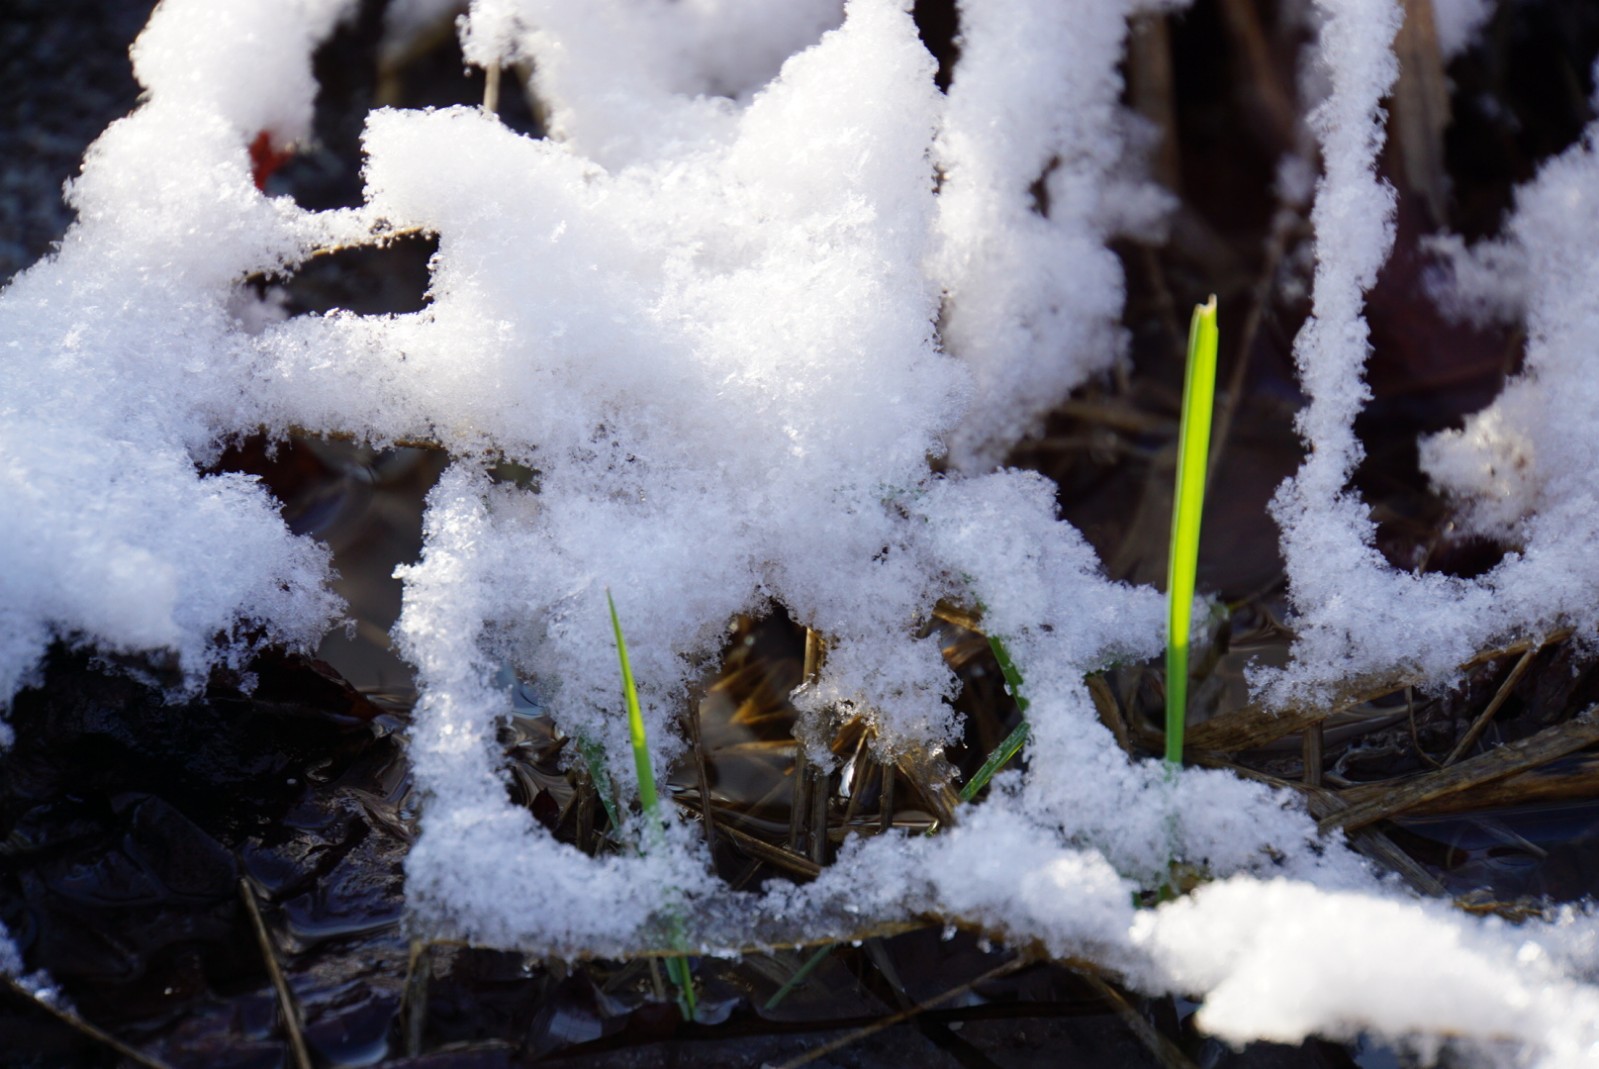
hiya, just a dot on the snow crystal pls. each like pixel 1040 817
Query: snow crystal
pixel 708 360
pixel 250 63
pixel 1521 468
pixel 636 482
pixel 1031 192
pixel 121 368
pixel 627 81
pixel 1283 960
pixel 1526 454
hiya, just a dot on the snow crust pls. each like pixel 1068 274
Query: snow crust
pixel 728 313
pixel 123 366
pixel 1521 468
pixel 1518 465
pixel 1030 193
pixel 1409 970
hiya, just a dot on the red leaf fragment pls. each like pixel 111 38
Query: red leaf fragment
pixel 266 158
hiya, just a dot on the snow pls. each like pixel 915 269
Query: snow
pixel 1523 457
pixel 1459 23
pixel 1519 469
pixel 761 273
pixel 1020 281
pixel 629 81
pixel 122 368
pixel 1406 970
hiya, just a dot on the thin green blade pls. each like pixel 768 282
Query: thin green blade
pixel 635 721
pixel 1012 744
pixel 677 968
pixel 1199 395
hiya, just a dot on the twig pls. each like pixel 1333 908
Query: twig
pixel 1496 764
pixel 491 89
pixel 885 816
pixel 1480 725
pixel 414 1000
pixel 776 855
pixel 1311 754
pixel 1421 109
pixel 799 800
pixel 1151 84
pixel 815 654
pixel 701 772
pixel 379 239
pixel 1378 847
pixel 1110 712
pixel 1272 100
pixel 78 1024
pixel 1282 228
pixel 585 794
pixel 1122 417
pixel 960 616
pixel 1251 725
pixel 801 826
pixel 821 794
pixel 1576 779
pixel 1168 1053
pixel 1415 736
pixel 1387 853
pixel 890 1021
pixel 291 1012
pixel 857 767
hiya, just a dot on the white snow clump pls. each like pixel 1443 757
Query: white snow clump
pixel 1523 467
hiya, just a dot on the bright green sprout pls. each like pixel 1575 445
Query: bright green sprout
pixel 1193 456
pixel 635 724
pixel 677 968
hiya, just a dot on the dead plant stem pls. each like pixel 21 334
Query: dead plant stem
pixel 78 1024
pixel 286 1003
pixel 890 1021
pixel 1479 725
pixel 1497 764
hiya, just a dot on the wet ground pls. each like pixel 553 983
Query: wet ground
pixel 220 883
pixel 163 862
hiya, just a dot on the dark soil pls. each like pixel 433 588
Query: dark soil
pixel 163 861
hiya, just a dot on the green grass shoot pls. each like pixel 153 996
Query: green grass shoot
pixel 800 974
pixel 594 757
pixel 677 968
pixel 1007 668
pixel 647 795
pixel 1188 504
pixel 1012 743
